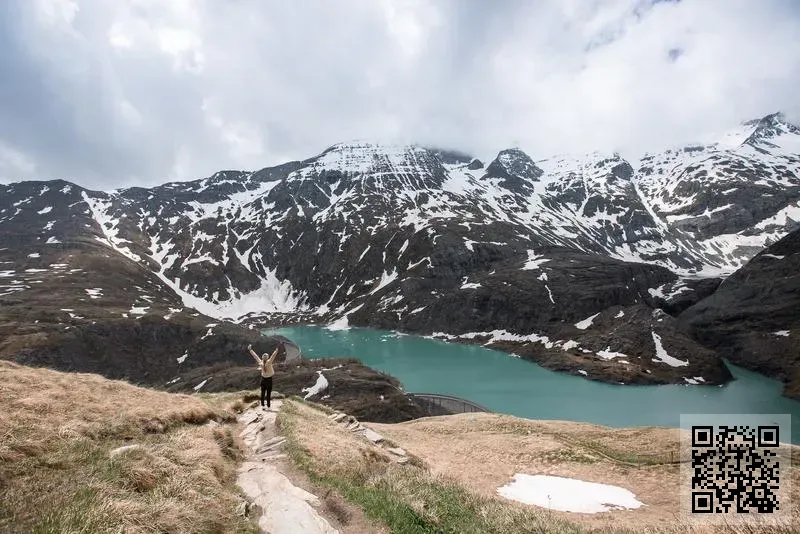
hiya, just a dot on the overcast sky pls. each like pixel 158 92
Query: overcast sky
pixel 138 92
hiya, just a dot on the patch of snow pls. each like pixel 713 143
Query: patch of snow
pixel 471 285
pixel 139 310
pixel 584 373
pixel 662 356
pixel 498 335
pixel 783 333
pixel 183 358
pixel 586 323
pixel 608 354
pixel 694 380
pixel 52 241
pixel 386 279
pixel 774 256
pixel 620 314
pixel 173 381
pixel 534 261
pixel 201 384
pixel 320 385
pixel 274 295
pixel 34 255
pixel 95 293
pixel 571 344
pixel 339 324
pixel 549 293
pixel 568 494
pixel 42 211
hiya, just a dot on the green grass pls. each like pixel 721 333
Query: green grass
pixel 621 456
pixel 82 514
pixel 409 500
pixel 568 455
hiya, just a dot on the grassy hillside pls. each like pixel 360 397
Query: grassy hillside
pixel 459 461
pixel 59 472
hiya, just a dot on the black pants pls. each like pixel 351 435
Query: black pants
pixel 266 388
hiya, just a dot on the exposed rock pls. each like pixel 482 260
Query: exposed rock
pixel 397 451
pixel 373 436
pixel 753 319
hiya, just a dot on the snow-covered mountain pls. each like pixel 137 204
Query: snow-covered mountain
pixel 429 241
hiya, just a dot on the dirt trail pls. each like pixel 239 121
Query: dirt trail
pixel 285 507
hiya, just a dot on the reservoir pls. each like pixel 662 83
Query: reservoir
pixel 506 384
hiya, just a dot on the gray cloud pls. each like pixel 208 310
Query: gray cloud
pixel 142 91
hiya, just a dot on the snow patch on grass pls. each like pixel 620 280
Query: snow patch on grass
pixel 568 494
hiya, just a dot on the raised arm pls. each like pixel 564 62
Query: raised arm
pixel 253 354
pixel 273 356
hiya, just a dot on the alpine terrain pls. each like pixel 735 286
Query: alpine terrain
pixel 589 263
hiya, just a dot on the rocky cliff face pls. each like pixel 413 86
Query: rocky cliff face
pixel 413 238
pixel 754 317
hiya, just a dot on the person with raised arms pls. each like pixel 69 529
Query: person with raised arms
pixel 267 372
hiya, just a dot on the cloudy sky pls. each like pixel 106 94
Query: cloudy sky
pixel 137 92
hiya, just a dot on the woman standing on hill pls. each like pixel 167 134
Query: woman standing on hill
pixel 267 372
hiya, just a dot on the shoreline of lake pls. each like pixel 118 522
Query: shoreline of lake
pixel 508 384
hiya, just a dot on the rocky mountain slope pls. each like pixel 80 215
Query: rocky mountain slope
pixel 754 317
pixel 519 252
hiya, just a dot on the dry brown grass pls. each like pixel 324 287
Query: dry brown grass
pixel 56 474
pixel 466 458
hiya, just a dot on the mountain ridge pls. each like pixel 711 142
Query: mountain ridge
pixel 428 240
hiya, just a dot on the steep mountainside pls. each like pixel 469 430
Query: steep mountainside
pixel 754 317
pixel 517 251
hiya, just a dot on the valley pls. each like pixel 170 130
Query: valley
pixel 589 263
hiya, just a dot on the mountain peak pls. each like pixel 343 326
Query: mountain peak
pixel 769 128
pixel 514 165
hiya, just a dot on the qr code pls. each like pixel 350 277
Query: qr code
pixel 735 469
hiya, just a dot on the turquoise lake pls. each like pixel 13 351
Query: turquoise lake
pixel 506 384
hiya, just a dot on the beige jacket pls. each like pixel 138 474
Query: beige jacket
pixel 264 363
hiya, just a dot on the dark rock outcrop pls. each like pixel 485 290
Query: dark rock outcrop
pixel 753 319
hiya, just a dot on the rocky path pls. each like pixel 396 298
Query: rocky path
pixel 285 508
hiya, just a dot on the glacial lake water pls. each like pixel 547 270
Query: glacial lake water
pixel 503 383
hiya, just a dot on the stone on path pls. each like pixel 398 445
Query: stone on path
pixel 373 436
pixel 397 451
pixel 286 509
pixel 270 444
